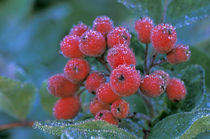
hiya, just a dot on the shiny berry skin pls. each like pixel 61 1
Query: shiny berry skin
pixel 143 27
pixel 93 81
pixel 120 55
pixel 120 109
pixel 96 106
pixel 103 24
pixel 105 94
pixel 79 29
pixel 179 54
pixel 152 85
pixel 125 80
pixel 175 89
pixel 76 70
pixel 59 86
pixel 92 43
pixel 118 35
pixel 70 47
pixel 163 74
pixel 67 108
pixel 106 116
pixel 163 38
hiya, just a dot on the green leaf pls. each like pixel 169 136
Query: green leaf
pixel 182 125
pixel 16 97
pixel 84 129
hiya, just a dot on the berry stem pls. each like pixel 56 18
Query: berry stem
pixel 17 124
pixel 145 58
pixel 103 62
pixel 164 11
pixel 152 62
pixel 139 116
pixel 81 91
pixel 160 62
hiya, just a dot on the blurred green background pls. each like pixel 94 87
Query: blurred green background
pixel 30 32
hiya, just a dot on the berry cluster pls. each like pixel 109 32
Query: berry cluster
pixel 122 79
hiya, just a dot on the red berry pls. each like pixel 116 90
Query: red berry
pixel 143 27
pixel 79 29
pixel 163 75
pixel 175 89
pixel 163 38
pixel 66 108
pixel 105 94
pixel 59 86
pixel 120 109
pixel 92 43
pixel 125 80
pixel 152 85
pixel 120 55
pixel 94 80
pixel 70 47
pixel 76 70
pixel 96 106
pixel 106 116
pixel 103 24
pixel 118 35
pixel 180 53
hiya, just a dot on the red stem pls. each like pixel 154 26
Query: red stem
pixel 17 124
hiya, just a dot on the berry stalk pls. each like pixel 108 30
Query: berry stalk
pixel 17 124
pixel 145 58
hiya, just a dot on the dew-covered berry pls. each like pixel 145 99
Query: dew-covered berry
pixel 120 109
pixel 66 108
pixel 143 27
pixel 179 54
pixel 93 81
pixel 106 116
pixel 118 35
pixel 119 56
pixel 76 70
pixel 163 38
pixel 79 29
pixel 92 43
pixel 105 94
pixel 96 106
pixel 163 74
pixel 125 80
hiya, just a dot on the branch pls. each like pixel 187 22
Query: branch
pixel 81 91
pixel 152 62
pixel 160 62
pixel 13 125
pixel 164 11
pixel 145 59
pixel 103 62
pixel 138 115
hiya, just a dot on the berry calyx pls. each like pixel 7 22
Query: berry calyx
pixel 106 116
pixel 120 109
pixel 79 29
pixel 96 106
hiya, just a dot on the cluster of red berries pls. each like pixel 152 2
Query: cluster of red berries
pixel 124 79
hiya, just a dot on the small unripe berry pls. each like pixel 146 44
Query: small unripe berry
pixel 79 29
pixel 106 116
pixel 180 53
pixel 118 35
pixel 120 109
pixel 103 24
pixel 96 106
pixel 120 55
pixel 92 43
pixel 66 108
pixel 175 89
pixel 93 81
pixel 125 80
pixel 143 27
pixel 59 86
pixel 105 94
pixel 76 70
pixel 163 38
pixel 70 47
pixel 152 85
pixel 163 74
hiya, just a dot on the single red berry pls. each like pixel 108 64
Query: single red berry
pixel 59 86
pixel 163 38
pixel 118 35
pixel 92 43
pixel 152 85
pixel 175 89
pixel 120 109
pixel 105 94
pixel 70 47
pixel 106 116
pixel 125 80
pixel 66 108
pixel 143 27
pixel 76 70
pixel 103 24
pixel 93 81
pixel 120 55
pixel 163 75
pixel 180 53
pixel 79 29
pixel 96 106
